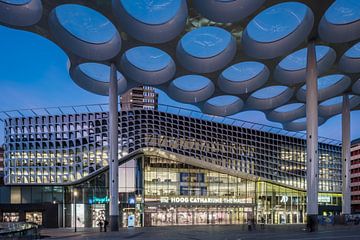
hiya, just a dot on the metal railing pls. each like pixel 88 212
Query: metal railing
pixel 104 107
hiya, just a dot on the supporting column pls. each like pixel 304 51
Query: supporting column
pixel 312 137
pixel 113 151
pixel 346 191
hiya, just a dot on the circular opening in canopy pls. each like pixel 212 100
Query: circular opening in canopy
pixel 206 42
pixel 289 107
pixel 148 58
pixel 343 12
pixel 300 120
pixel 99 72
pixel 85 23
pixel 354 51
pixel 152 12
pixel 16 2
pixel 334 101
pixel 223 100
pixel 327 81
pixel 243 71
pixel 297 60
pixel 191 83
pixel 269 92
pixel 277 22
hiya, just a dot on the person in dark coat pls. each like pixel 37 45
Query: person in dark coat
pixel 106 223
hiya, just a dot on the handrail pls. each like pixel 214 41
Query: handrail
pixel 103 107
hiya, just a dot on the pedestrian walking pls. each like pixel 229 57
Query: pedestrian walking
pixel 249 224
pixel 106 223
pixel 100 223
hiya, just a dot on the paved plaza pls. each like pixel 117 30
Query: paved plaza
pixel 210 233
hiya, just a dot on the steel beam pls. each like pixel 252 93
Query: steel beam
pixel 346 191
pixel 113 151
pixel 312 137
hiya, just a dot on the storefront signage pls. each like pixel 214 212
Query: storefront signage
pixel 284 199
pixel 324 199
pixel 96 200
pixel 200 200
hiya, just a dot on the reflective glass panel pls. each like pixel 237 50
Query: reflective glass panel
pixel 191 82
pixel 222 100
pixel 150 11
pixel 354 51
pixel 148 58
pixel 297 60
pixel 269 92
pixel 242 71
pixel 277 21
pixel 206 42
pixel 289 107
pixel 85 23
pixel 97 71
pixel 343 12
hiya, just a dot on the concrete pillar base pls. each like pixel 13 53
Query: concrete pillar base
pixel 114 223
pixel 312 222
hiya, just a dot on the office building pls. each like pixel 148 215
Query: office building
pixel 173 170
pixel 143 97
pixel 355 176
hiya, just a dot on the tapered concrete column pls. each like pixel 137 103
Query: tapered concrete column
pixel 346 191
pixel 113 151
pixel 312 137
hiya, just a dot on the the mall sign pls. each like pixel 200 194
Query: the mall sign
pixel 200 200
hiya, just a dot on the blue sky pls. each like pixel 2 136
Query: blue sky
pixel 33 73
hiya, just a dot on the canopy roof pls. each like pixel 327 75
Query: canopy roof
pixel 224 56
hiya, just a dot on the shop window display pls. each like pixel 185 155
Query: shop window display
pixel 10 216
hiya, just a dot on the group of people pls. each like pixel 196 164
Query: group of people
pixel 102 223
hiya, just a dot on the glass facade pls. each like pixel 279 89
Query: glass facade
pixel 180 194
pixel 157 191
pixel 182 170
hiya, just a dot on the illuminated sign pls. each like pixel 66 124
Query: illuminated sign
pixel 324 199
pixel 96 200
pixel 284 199
pixel 200 200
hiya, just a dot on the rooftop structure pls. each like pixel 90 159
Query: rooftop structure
pixel 143 97
pixel 223 56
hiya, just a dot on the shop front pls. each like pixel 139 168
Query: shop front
pixel 196 215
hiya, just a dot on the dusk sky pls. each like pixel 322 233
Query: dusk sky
pixel 33 73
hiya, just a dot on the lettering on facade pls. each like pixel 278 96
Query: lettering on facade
pixel 284 199
pixel 202 145
pixel 200 200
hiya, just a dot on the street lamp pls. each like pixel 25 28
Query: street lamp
pixel 75 193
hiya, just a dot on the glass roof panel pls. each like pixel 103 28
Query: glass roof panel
pixel 334 101
pixel 300 120
pixel 97 71
pixel 205 42
pixel 343 12
pixel 289 107
pixel 297 60
pixel 150 11
pixel 85 23
pixel 16 2
pixel 354 51
pixel 148 58
pixel 327 81
pixel 191 82
pixel 269 92
pixel 222 100
pixel 277 21
pixel 243 71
